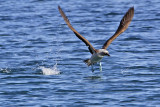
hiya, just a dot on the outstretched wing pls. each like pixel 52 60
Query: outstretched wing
pixel 90 47
pixel 127 18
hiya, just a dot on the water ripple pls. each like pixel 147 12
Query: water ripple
pixel 34 35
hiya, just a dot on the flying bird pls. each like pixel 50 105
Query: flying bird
pixel 98 54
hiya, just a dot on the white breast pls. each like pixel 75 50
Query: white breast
pixel 95 58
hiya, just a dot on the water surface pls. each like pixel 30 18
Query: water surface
pixel 34 35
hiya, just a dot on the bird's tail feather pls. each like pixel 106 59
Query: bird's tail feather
pixel 88 62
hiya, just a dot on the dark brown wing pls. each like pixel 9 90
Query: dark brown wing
pixel 91 48
pixel 122 27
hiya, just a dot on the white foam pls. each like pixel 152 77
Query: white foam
pixel 5 70
pixel 50 71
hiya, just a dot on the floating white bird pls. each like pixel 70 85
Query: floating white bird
pixel 98 54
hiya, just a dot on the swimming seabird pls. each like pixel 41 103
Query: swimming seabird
pixel 98 54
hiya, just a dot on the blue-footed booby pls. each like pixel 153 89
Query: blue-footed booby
pixel 98 54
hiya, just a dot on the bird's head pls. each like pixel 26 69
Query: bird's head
pixel 103 52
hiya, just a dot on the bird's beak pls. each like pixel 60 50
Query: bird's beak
pixel 107 54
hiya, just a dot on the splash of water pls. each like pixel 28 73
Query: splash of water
pixel 50 71
pixel 5 70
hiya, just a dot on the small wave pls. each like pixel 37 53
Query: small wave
pixel 50 71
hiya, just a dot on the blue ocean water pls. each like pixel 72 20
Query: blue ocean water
pixel 41 60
